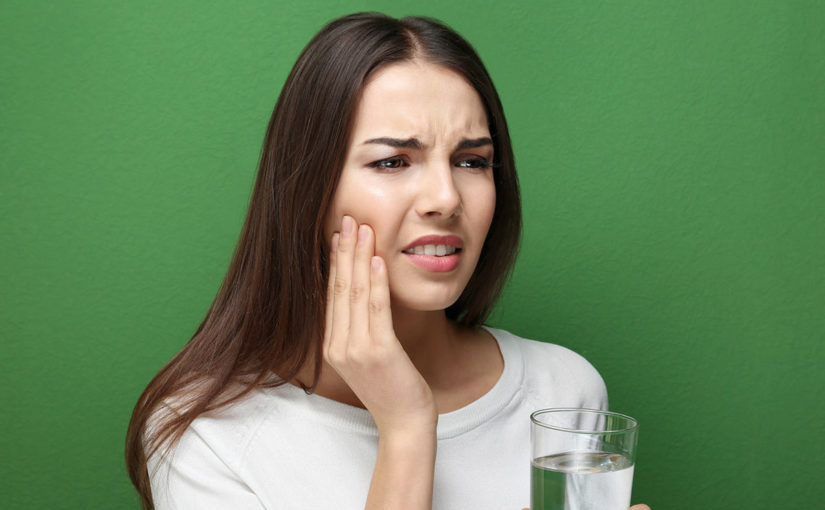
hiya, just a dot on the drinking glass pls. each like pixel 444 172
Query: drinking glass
pixel 582 459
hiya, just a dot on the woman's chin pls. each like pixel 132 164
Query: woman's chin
pixel 423 302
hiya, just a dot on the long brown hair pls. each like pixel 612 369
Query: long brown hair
pixel 267 316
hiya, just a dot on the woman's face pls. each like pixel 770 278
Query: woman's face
pixel 418 172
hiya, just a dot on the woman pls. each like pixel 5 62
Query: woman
pixel 343 363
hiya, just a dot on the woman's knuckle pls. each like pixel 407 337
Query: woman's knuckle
pixel 355 355
pixel 356 292
pixel 376 306
pixel 340 286
pixel 335 357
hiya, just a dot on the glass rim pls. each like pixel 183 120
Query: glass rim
pixel 634 423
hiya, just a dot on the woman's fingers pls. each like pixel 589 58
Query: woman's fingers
pixel 347 315
pixel 333 247
pixel 380 314
pixel 341 283
pixel 359 294
pixel 360 343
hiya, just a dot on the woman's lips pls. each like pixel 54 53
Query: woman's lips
pixel 435 253
pixel 435 263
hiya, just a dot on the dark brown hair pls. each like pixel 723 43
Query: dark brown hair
pixel 267 316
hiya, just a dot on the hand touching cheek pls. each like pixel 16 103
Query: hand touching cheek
pixel 360 342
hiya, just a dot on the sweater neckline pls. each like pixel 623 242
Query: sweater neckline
pixel 454 423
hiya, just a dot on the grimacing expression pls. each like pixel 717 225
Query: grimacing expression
pixel 418 171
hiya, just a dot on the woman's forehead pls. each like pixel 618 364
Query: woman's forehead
pixel 421 100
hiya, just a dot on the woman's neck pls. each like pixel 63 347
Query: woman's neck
pixel 429 338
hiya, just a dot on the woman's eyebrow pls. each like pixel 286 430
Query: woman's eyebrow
pixel 475 142
pixel 415 143
pixel 409 143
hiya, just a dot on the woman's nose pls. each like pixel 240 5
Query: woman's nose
pixel 438 194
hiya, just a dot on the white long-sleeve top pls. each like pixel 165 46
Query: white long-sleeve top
pixel 279 448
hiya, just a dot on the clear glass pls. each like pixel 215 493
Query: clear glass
pixel 582 459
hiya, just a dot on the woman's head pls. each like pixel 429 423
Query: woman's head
pixel 311 129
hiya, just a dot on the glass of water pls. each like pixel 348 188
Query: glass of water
pixel 582 459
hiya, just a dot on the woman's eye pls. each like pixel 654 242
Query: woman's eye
pixel 480 163
pixel 389 163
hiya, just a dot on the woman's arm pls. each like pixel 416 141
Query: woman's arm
pixel 360 344
pixel 403 476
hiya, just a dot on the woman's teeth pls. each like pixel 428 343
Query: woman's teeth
pixel 438 250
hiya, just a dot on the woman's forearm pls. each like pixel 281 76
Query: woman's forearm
pixel 403 476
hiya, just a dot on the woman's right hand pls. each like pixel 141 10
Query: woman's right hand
pixel 360 342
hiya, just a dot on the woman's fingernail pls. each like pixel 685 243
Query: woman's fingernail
pixel 347 226
pixel 362 234
pixel 333 246
pixel 375 264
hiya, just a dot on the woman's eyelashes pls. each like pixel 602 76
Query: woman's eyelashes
pixel 475 162
pixel 396 162
pixel 389 163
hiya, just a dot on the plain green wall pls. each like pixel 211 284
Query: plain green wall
pixel 672 161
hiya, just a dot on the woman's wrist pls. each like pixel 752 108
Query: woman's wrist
pixel 407 439
pixel 418 425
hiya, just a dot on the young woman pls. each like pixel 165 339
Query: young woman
pixel 343 363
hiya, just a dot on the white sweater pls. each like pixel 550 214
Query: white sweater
pixel 280 448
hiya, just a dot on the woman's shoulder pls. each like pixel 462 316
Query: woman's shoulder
pixel 552 368
pixel 214 452
pixel 230 421
pixel 543 352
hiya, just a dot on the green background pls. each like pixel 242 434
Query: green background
pixel 672 161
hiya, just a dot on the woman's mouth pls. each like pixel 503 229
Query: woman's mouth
pixel 438 254
pixel 437 250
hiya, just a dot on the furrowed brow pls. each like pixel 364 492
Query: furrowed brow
pixel 409 143
pixel 474 143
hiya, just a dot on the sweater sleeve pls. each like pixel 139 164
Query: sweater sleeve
pixel 192 476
